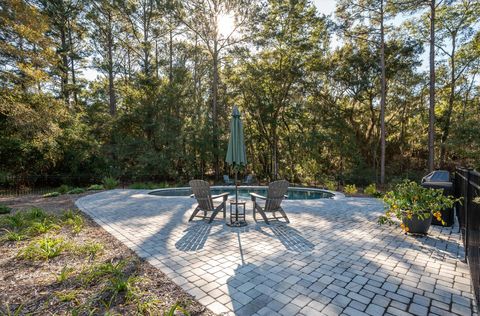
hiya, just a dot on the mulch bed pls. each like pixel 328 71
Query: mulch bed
pixel 37 286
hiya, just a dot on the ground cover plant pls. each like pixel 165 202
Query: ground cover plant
pixel 57 261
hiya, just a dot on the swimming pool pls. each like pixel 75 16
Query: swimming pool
pixel 293 193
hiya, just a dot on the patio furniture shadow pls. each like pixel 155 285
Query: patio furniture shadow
pixel 291 238
pixel 195 237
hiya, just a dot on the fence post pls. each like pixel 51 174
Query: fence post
pixel 465 207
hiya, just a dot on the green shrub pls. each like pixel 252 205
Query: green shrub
pixel 42 227
pixel 76 191
pixel 66 296
pixel 126 284
pixel 14 236
pixel 43 249
pixel 64 274
pixel 371 189
pixel 95 187
pixel 147 305
pixel 172 310
pixel 13 222
pixel 330 185
pixel 147 185
pixel 350 189
pixel 94 273
pixel 4 209
pixel 63 189
pixel 74 220
pixel 89 248
pixel 110 183
pixel 29 223
pixel 51 194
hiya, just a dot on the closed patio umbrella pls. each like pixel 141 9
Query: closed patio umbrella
pixel 236 156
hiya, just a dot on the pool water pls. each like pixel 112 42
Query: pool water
pixel 244 192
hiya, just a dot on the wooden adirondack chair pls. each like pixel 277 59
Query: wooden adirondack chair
pixel 227 180
pixel 276 193
pixel 201 192
pixel 248 180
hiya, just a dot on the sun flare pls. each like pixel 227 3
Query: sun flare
pixel 226 24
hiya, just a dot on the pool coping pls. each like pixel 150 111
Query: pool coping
pixel 336 195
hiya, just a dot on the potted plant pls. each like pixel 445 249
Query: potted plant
pixel 414 206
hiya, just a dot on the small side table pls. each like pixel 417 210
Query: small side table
pixel 237 219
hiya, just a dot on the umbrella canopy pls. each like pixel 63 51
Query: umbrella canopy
pixel 236 155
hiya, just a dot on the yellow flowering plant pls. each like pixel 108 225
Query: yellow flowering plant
pixel 409 200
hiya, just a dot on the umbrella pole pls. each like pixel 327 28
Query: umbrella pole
pixel 236 196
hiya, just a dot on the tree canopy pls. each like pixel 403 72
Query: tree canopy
pixel 144 88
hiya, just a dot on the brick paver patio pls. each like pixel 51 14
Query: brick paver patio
pixel 331 259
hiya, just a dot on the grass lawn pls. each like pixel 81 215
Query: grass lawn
pixel 55 260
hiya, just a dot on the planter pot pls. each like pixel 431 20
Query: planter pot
pixel 418 226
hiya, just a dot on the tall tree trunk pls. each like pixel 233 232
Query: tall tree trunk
pixel 467 96
pixel 274 152
pixel 157 68
pixel 431 112
pixel 451 100
pixel 111 83
pixel 146 51
pixel 64 67
pixel 37 81
pixel 383 92
pixel 170 61
pixel 129 65
pixel 214 111
pixel 72 63
pixel 195 65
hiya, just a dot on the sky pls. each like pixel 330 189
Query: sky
pixel 325 6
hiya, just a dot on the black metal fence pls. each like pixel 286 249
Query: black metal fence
pixel 467 186
pixel 41 184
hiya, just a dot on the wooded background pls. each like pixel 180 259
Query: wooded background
pixel 309 87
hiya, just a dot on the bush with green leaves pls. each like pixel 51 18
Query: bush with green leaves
pixel 330 185
pixel 67 296
pixel 51 194
pixel 74 220
pixel 63 189
pixel 26 224
pixel 94 273
pixel 42 226
pixel 76 191
pixel 174 308
pixel 95 187
pixel 350 189
pixel 64 274
pixel 5 209
pixel 110 183
pixel 147 185
pixel 371 190
pixel 14 236
pixel 89 248
pixel 43 249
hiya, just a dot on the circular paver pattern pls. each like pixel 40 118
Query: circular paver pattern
pixel 331 259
